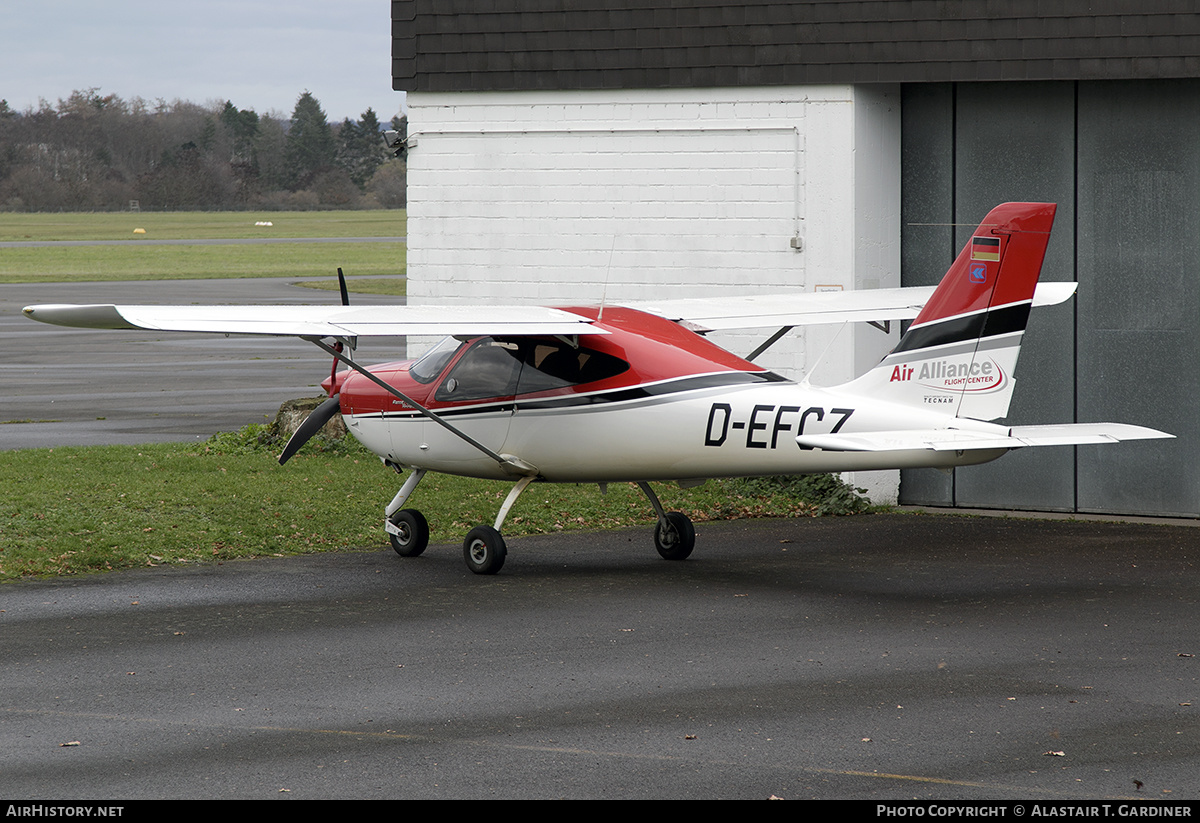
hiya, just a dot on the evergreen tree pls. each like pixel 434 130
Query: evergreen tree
pixel 360 148
pixel 310 145
pixel 243 129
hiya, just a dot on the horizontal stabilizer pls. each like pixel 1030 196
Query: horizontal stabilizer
pixel 1071 434
pixel 1065 434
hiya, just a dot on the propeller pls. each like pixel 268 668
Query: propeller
pixel 312 424
pixel 323 413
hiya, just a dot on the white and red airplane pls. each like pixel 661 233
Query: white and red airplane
pixel 636 393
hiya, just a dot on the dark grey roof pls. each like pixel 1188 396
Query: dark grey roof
pixel 496 45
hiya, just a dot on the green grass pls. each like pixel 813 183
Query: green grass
pixel 112 263
pixel 81 510
pixel 202 225
pixel 57 264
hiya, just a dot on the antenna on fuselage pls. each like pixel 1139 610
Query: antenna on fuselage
pixel 607 272
pixel 805 381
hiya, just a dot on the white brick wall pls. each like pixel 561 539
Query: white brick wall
pixel 575 197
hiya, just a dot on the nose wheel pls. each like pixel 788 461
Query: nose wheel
pixel 409 532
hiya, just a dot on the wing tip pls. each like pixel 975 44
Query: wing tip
pixel 88 316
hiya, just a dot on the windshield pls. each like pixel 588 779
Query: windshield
pixel 431 363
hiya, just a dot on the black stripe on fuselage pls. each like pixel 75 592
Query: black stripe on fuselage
pixel 990 323
pixel 707 381
pixel 648 391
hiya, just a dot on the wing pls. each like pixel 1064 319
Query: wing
pixel 321 321
pixel 803 309
pixel 1063 434
pixel 702 314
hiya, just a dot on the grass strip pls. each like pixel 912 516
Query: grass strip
pixel 200 225
pixel 73 264
pixel 91 509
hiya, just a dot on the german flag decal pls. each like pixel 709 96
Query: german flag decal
pixel 985 248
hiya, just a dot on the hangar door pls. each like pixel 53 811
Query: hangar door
pixel 1122 160
pixel 572 210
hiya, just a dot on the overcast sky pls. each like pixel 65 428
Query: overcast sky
pixel 260 55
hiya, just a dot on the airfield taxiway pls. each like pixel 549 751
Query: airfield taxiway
pixel 82 387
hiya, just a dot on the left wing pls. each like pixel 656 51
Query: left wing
pixel 321 321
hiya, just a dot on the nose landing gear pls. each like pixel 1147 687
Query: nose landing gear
pixel 484 549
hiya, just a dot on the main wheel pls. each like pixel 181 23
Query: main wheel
pixel 676 540
pixel 414 532
pixel 484 550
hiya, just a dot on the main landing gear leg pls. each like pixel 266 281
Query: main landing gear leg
pixel 484 550
pixel 407 528
pixel 674 535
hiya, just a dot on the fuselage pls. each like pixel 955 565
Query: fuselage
pixel 650 400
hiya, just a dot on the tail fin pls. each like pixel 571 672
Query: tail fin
pixel 960 353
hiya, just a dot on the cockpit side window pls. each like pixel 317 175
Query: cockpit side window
pixel 503 367
pixel 431 363
pixel 488 369
pixel 553 364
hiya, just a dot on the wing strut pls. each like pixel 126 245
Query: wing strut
pixel 510 464
pixel 769 342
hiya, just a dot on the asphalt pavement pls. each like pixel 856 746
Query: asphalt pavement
pixel 874 657
pixel 85 387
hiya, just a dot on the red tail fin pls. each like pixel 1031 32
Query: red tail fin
pixel 961 351
pixel 1012 237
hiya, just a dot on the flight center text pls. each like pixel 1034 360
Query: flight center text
pixel 765 423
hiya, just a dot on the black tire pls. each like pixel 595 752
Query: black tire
pixel 484 550
pixel 677 539
pixel 414 536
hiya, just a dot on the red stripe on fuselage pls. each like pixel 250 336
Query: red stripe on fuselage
pixel 656 349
